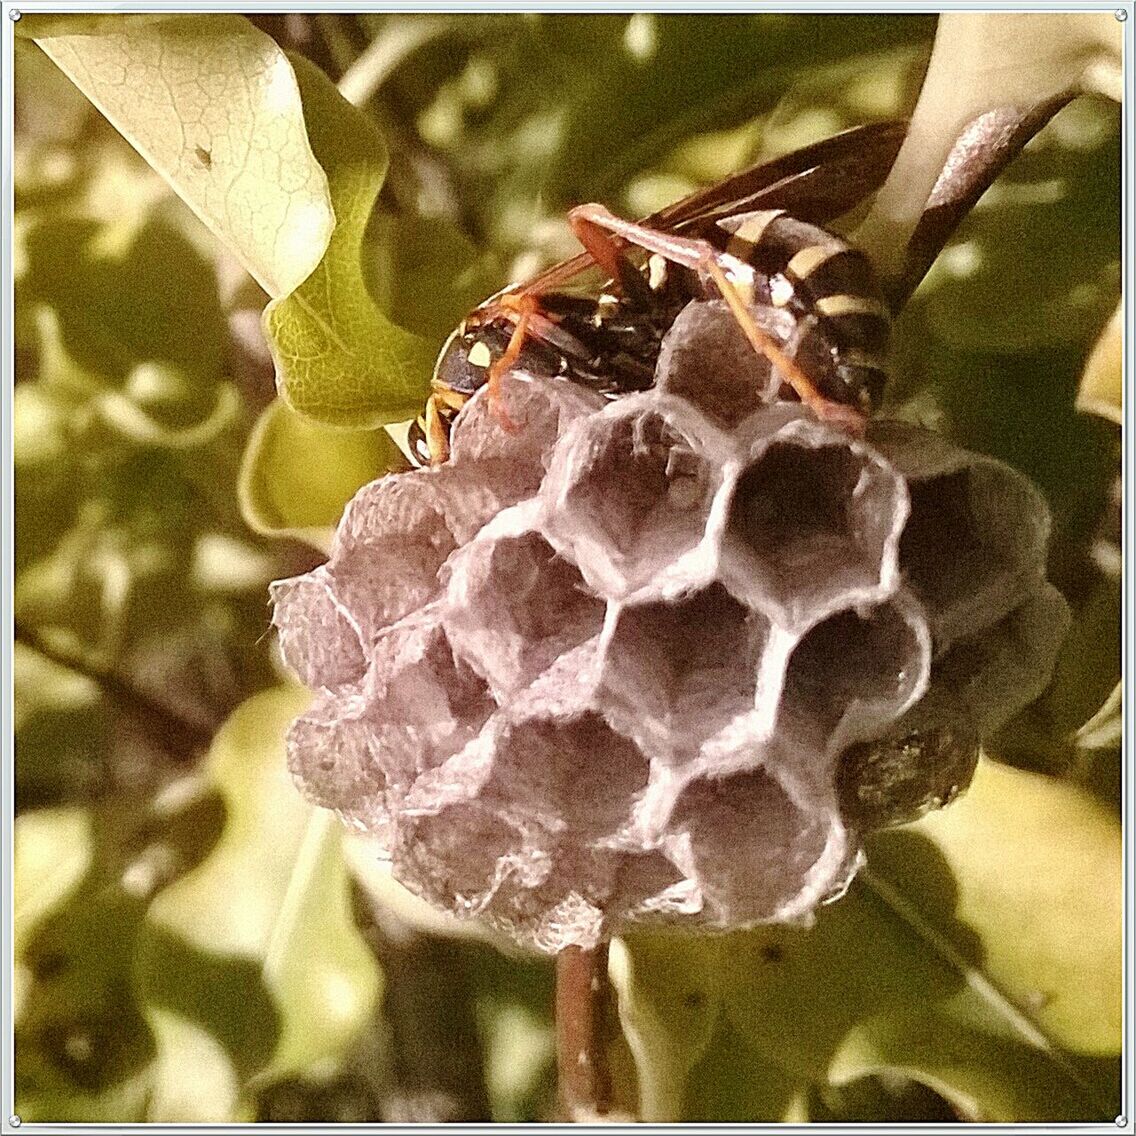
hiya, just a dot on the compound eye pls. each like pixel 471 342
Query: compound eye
pixel 463 363
pixel 451 368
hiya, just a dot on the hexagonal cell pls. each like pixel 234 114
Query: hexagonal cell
pixel 676 673
pixel 459 857
pixel 442 506
pixel 566 908
pixel 574 775
pixel 539 408
pixel 751 849
pixel 424 703
pixel 591 894
pixel 332 754
pixel 706 359
pixel 813 525
pixel 973 546
pixel 547 757
pixel 629 492
pixel 648 887
pixel 417 706
pixel 319 637
pixel 525 825
pixel 982 681
pixel 388 548
pixel 856 671
pixel 514 606
pixel 544 889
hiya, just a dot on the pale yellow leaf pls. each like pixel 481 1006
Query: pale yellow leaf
pixel 212 104
pixel 983 61
pixel 1102 382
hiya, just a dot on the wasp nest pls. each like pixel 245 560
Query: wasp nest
pixel 662 659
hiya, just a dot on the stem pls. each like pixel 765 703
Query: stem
pixel 383 55
pixel 582 997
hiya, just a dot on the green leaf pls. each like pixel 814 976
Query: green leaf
pixel 1089 665
pixel 513 1000
pixel 84 1048
pixel 688 72
pixel 34 25
pixel 212 104
pixel 669 1002
pixel 106 308
pixel 1047 736
pixel 425 273
pixel 123 1103
pixel 62 730
pixel 40 433
pixel 320 971
pixel 519 1056
pixel 339 360
pixel 152 389
pixel 1047 912
pixel 977 954
pixel 79 594
pixel 297 475
pixel 251 962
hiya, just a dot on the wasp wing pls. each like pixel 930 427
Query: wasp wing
pixel 815 183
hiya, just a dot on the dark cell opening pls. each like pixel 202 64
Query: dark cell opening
pixel 646 494
pixel 690 665
pixel 847 659
pixel 794 497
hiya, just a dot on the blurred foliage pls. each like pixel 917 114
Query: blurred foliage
pixel 942 964
pixel 191 942
pixel 281 494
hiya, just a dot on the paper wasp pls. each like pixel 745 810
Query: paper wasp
pixel 757 238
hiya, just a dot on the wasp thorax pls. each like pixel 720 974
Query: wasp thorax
pixel 663 660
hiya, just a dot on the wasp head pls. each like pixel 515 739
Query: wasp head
pixel 464 361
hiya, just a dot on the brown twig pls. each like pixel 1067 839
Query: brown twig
pixel 582 994
pixel 178 736
pixel 982 151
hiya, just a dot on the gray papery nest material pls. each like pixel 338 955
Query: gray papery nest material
pixel 664 659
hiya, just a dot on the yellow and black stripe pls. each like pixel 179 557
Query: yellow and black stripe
pixel 843 319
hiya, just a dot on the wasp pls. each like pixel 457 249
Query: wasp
pixel 758 238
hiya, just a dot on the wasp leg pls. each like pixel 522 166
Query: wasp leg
pixel 524 307
pixel 847 418
pixel 606 250
pixel 595 227
pixel 437 419
pixel 436 430
pixel 703 258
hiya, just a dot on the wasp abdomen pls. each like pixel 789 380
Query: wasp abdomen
pixel 829 285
